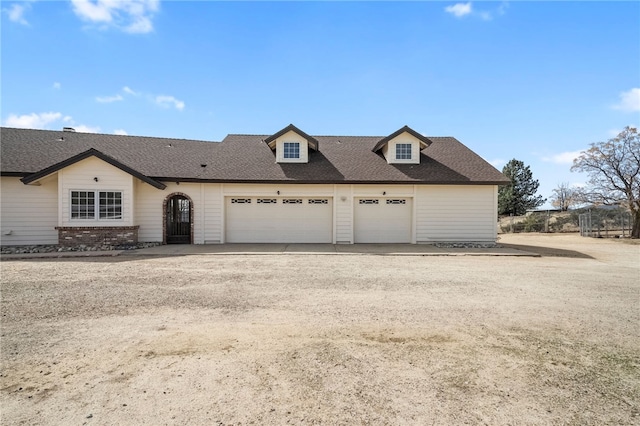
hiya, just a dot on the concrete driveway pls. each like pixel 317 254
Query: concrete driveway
pixel 329 249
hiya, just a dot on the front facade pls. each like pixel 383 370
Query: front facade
pixel 71 188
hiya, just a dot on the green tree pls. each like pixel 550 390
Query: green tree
pixel 520 195
pixel 614 173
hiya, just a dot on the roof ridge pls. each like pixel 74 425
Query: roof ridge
pixel 315 136
pixel 110 134
pixel 336 136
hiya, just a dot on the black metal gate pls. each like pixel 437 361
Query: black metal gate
pixel 178 220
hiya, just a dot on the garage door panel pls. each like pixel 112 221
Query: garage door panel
pixel 383 220
pixel 279 220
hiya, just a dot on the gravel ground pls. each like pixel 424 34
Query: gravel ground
pixel 318 339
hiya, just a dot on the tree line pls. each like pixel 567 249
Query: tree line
pixel 613 167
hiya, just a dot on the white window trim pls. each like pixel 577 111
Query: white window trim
pixel 96 206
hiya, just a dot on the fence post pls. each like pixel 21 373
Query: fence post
pixel 546 223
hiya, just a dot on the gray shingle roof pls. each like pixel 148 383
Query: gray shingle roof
pixel 246 158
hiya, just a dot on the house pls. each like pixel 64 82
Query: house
pixel 70 188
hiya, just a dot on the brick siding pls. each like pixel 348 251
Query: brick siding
pixel 97 236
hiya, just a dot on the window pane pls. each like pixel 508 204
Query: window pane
pixel 82 205
pixel 110 205
pixel 291 150
pixel 403 151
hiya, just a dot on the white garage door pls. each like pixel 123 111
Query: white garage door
pixel 382 220
pixel 279 220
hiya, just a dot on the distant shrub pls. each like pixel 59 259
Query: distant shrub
pixel 533 223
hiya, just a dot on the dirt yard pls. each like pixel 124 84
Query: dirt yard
pixel 326 339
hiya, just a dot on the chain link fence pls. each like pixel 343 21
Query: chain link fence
pixel 600 222
pixel 605 223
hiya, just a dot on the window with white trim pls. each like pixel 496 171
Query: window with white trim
pixel 291 150
pixel 403 151
pixel 102 205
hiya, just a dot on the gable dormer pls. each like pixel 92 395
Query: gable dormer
pixel 291 145
pixel 402 146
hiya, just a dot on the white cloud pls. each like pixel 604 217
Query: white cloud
pixel 563 157
pixel 46 120
pixel 497 162
pixel 141 25
pixel 132 16
pixel 90 11
pixel 120 132
pixel 164 101
pixel 109 99
pixel 485 16
pixel 126 89
pixel 57 85
pixel 86 129
pixel 167 101
pixel 33 120
pixel 502 9
pixel 629 101
pixel 16 12
pixel 459 9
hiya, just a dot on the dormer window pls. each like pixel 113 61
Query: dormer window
pixel 292 145
pixel 292 150
pixel 402 146
pixel 403 151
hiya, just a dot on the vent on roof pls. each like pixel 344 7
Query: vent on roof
pixel 68 129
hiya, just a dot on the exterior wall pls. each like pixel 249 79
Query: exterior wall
pixel 292 136
pixel 29 213
pixel 213 213
pixel 389 150
pixel 456 213
pixel 149 208
pixel 343 216
pixel 81 177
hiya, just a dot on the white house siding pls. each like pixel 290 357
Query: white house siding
pixel 81 177
pixel 149 213
pixel 213 207
pixel 438 212
pixel 343 207
pixel 29 213
pixel 456 213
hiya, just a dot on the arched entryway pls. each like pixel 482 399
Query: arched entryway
pixel 178 219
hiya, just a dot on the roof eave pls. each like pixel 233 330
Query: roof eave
pixel 92 152
pixel 327 181
pixel 424 141
pixel 313 142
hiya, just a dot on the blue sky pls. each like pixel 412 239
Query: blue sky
pixel 535 81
